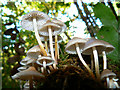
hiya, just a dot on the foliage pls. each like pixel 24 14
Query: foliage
pixel 109 31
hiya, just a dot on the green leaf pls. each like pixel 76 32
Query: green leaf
pixel 11 5
pixel 105 14
pixel 109 35
pixel 108 31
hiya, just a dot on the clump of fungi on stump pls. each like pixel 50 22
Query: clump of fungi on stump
pixel 41 67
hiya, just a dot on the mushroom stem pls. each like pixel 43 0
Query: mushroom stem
pixel 107 80
pixel 48 70
pixel 110 83
pixel 31 84
pixel 104 60
pixel 92 62
pixel 58 51
pixel 42 69
pixel 116 84
pixel 44 66
pixel 56 48
pixel 51 68
pixel 51 45
pixel 38 38
pixel 20 84
pixel 46 44
pixel 96 62
pixel 81 59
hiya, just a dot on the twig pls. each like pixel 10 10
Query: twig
pixel 84 19
pixel 89 14
pixel 67 35
pixel 113 10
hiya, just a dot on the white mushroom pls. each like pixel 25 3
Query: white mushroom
pixel 108 76
pixel 75 46
pixel 45 39
pixel 34 52
pixel 45 61
pixel 29 74
pixel 28 61
pixel 115 83
pixel 108 49
pixel 22 68
pixel 50 29
pixel 32 21
pixel 24 61
pixel 95 47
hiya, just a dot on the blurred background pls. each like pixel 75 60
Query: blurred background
pixel 83 19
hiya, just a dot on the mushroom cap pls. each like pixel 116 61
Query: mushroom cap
pixel 60 23
pixel 22 68
pixel 27 20
pixel 99 44
pixel 28 74
pixel 92 42
pixel 31 61
pixel 49 60
pixel 107 73
pixel 108 46
pixel 71 47
pixel 34 52
pixel 56 29
pixel 24 61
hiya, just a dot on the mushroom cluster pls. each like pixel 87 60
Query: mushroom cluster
pixel 41 59
pixel 95 48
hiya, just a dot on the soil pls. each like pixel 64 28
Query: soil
pixel 72 78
